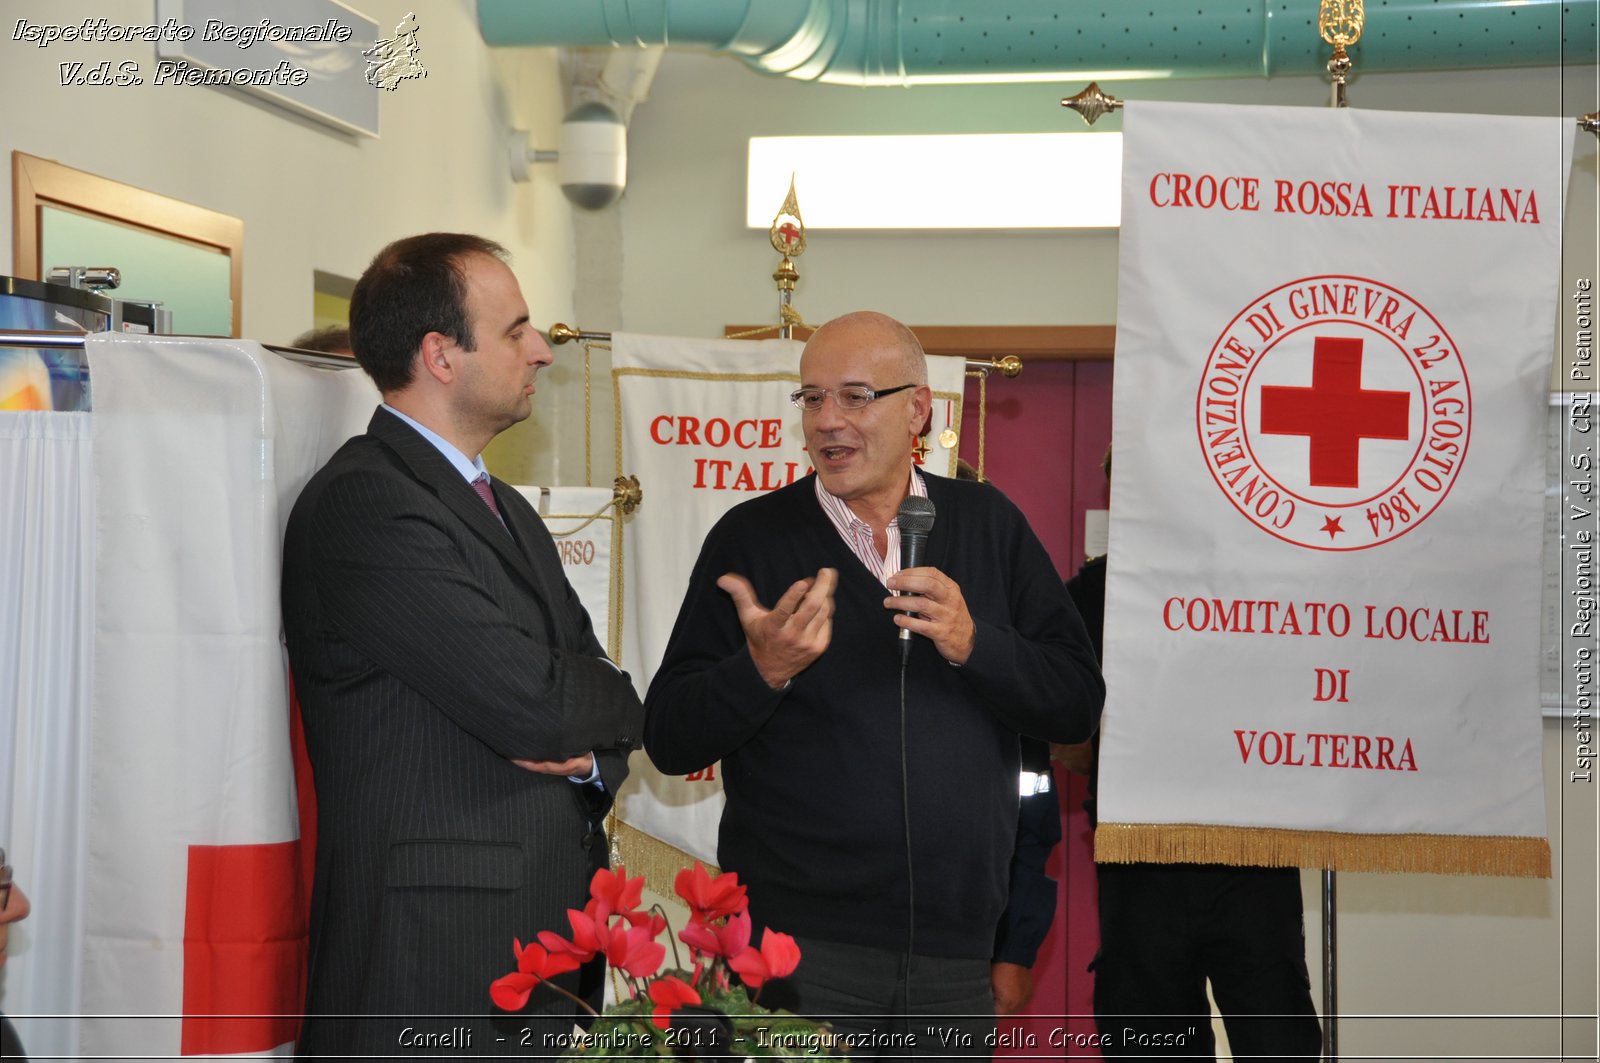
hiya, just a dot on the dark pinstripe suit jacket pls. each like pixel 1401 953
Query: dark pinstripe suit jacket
pixel 429 645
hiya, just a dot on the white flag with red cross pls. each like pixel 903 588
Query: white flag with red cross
pixel 196 876
pixel 1334 338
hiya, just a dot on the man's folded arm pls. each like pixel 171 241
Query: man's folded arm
pixel 401 594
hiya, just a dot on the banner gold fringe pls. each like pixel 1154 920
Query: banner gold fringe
pixel 1442 854
pixel 657 861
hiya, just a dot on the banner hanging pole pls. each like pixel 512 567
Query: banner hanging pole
pixel 1339 23
pixel 1330 966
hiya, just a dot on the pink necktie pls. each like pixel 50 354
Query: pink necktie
pixel 481 485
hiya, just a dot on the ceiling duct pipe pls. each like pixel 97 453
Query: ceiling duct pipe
pixel 896 42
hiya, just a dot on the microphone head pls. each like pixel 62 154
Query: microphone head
pixel 915 516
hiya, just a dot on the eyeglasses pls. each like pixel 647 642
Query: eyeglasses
pixel 849 397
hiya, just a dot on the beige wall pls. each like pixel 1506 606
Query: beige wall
pixel 311 197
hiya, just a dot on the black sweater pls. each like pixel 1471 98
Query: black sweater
pixel 814 821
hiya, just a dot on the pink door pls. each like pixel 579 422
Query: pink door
pixel 1045 435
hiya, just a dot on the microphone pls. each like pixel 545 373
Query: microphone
pixel 915 521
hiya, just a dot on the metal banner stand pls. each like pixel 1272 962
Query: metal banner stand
pixel 1339 23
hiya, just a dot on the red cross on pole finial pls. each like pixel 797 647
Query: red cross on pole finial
pixel 1335 413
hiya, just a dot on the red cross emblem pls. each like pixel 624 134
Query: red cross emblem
pixel 790 234
pixel 1335 413
pixel 1331 492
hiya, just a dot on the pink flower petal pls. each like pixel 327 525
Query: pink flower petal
pixel 780 952
pixel 510 992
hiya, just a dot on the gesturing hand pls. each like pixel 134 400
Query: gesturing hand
pixel 785 639
pixel 941 610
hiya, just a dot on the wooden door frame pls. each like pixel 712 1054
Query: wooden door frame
pixel 38 183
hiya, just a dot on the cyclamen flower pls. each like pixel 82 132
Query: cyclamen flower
pixel 710 898
pixel 725 941
pixel 652 921
pixel 777 958
pixel 612 925
pixel 669 993
pixel 614 893
pixel 534 965
pixel 627 948
pixel 634 951
pixel 587 939
pixel 511 991
pixel 531 959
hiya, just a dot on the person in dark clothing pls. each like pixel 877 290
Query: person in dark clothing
pixel 1031 902
pixel 1168 929
pixel 466 732
pixel 871 808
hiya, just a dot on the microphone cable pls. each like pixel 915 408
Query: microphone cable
pixel 914 520
pixel 905 809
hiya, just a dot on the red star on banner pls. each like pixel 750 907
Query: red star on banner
pixel 246 921
pixel 1331 525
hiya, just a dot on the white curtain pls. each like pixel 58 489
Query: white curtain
pixel 46 623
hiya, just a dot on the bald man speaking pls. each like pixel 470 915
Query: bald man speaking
pixel 872 793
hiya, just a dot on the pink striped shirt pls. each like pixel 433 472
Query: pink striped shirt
pixel 857 533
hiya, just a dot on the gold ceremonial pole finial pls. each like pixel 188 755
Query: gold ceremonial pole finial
pixel 626 494
pixel 1340 23
pixel 1590 123
pixel 788 230
pixel 788 236
pixel 560 333
pixel 1091 103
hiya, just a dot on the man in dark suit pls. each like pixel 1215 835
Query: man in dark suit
pixel 465 730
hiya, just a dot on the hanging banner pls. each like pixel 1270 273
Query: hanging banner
pixel 1334 338
pixel 704 425
pixel 582 522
